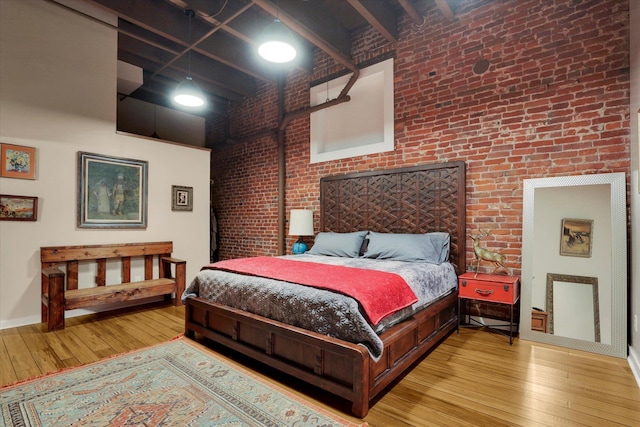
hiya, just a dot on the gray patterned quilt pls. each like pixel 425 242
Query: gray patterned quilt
pixel 319 310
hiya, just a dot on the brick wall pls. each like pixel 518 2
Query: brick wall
pixel 554 101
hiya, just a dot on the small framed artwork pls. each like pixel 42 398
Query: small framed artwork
pixel 112 192
pixel 18 208
pixel 18 161
pixel 576 238
pixel 181 198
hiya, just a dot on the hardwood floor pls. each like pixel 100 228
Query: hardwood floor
pixel 472 379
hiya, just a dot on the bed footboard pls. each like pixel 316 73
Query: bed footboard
pixel 339 367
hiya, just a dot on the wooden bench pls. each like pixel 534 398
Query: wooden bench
pixel 58 296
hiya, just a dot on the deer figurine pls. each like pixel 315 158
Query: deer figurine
pixel 482 254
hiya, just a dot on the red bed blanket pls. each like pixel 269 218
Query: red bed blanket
pixel 379 293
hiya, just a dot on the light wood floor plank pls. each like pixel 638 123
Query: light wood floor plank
pixel 7 373
pixel 75 344
pixel 472 379
pixel 91 339
pixel 512 382
pixel 61 350
pixel 33 337
pixel 155 325
pixel 538 397
pixel 118 340
pixel 47 360
pixel 19 354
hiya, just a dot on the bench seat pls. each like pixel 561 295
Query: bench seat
pixel 90 297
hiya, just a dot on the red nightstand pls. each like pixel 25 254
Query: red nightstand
pixel 488 287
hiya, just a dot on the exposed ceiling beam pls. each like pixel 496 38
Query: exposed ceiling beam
pixel 168 22
pixel 151 59
pixel 316 36
pixel 380 15
pixel 446 9
pixel 217 46
pixel 192 44
pixel 239 28
pixel 412 12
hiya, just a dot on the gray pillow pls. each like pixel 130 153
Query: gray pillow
pixel 338 244
pixel 429 247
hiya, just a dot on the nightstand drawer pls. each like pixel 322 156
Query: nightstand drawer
pixel 539 320
pixel 489 287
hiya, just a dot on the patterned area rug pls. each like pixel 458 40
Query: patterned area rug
pixel 172 384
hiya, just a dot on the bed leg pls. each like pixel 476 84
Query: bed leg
pixel 189 333
pixel 360 408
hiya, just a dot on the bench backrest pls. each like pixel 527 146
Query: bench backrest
pixel 50 256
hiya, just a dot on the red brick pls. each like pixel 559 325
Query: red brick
pixel 554 102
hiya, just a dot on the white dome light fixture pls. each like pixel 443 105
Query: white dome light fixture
pixel 276 43
pixel 188 94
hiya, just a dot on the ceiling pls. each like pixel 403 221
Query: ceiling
pixel 218 44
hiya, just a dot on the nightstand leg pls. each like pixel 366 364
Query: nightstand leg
pixel 511 325
pixel 459 320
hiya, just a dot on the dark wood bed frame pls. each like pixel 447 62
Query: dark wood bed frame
pixel 409 200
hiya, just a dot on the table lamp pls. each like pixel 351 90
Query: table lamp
pixel 300 224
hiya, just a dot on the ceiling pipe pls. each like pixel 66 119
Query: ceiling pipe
pixel 282 169
pixel 286 119
pixel 343 97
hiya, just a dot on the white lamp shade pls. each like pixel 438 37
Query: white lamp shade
pixel 188 94
pixel 301 222
pixel 276 43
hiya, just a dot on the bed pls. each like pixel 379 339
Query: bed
pixel 422 199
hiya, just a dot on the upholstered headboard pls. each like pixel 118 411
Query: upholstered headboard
pixel 419 199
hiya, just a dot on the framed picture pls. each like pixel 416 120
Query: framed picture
pixel 112 192
pixel 181 198
pixel 18 161
pixel 576 237
pixel 18 208
pixel 579 306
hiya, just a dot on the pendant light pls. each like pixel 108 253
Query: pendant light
pixel 188 93
pixel 276 43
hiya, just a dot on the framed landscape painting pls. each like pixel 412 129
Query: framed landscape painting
pixel 18 208
pixel 112 192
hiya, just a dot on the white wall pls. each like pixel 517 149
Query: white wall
pixel 634 348
pixel 57 93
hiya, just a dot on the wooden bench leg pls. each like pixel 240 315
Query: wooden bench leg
pixel 56 303
pixel 44 311
pixel 181 277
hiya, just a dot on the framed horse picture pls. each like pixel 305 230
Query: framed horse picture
pixel 576 238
